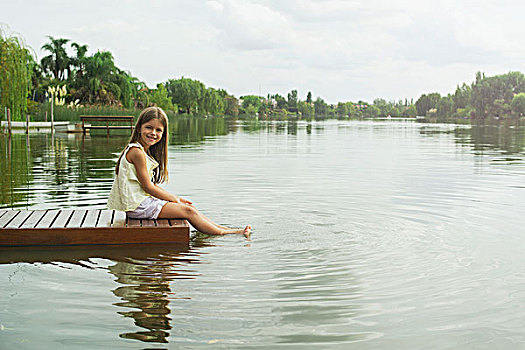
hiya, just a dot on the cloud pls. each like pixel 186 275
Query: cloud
pixel 111 26
pixel 338 49
pixel 250 26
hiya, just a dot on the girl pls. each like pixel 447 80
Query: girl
pixel 142 166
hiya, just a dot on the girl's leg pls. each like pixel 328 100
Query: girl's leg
pixel 199 221
pixel 213 223
pixel 206 218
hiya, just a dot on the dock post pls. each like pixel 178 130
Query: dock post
pixel 27 123
pixel 9 120
pixel 52 116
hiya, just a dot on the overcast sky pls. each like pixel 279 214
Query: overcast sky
pixel 339 50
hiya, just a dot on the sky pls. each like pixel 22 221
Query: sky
pixel 340 50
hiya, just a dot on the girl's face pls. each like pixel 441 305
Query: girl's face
pixel 151 133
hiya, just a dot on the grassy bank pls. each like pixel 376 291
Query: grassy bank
pixel 63 113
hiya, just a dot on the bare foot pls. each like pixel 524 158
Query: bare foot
pixel 247 231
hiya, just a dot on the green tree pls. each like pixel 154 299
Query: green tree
pixel 78 63
pixel 385 108
pixel 372 111
pixel 37 80
pixel 342 109
pixel 16 68
pixel 493 95
pixel 57 62
pixel 186 93
pixel 309 97
pixel 305 108
pixel 231 106
pixel 292 101
pixel 410 111
pixel 251 100
pixel 159 97
pixel 212 102
pixel 445 107
pixel 97 82
pixel 427 102
pixel 280 101
pixel 518 104
pixel 320 107
pixel 461 96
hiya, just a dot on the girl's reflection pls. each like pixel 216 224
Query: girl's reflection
pixel 146 287
pixel 144 272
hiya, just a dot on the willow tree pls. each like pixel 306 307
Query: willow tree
pixel 15 74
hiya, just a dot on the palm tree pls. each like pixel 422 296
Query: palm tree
pixel 102 81
pixel 57 62
pixel 78 62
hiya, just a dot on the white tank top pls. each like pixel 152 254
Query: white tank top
pixel 127 193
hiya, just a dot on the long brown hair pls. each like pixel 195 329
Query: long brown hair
pixel 158 151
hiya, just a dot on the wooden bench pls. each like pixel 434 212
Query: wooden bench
pixel 106 118
pixel 86 226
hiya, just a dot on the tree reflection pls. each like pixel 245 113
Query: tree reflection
pixel 507 136
pixel 16 168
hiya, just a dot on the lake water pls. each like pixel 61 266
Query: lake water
pixel 367 234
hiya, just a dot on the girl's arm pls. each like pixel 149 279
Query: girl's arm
pixel 138 159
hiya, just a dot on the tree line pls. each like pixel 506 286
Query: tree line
pixel 80 79
pixel 500 96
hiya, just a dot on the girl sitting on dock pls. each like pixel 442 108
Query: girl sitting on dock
pixel 140 169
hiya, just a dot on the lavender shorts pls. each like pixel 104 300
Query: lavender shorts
pixel 149 209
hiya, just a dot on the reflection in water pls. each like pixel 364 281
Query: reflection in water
pixel 187 131
pixel 69 170
pixel 145 274
pixel 52 171
pixel 313 296
pixel 506 136
pixel 146 288
pixel 377 232
pixel 16 169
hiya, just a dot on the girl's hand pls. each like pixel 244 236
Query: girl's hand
pixel 185 201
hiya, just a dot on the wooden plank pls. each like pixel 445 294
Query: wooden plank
pixel 77 218
pixel 163 223
pixel 10 215
pixel 96 235
pixel 19 219
pixel 33 219
pixel 91 218
pixel 48 219
pixel 119 219
pixel 148 223
pixel 61 227
pixel 104 117
pixel 134 223
pixel 62 218
pixel 108 127
pixel 179 223
pixel 105 218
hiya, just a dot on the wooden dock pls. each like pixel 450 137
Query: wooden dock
pixel 128 119
pixel 86 226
